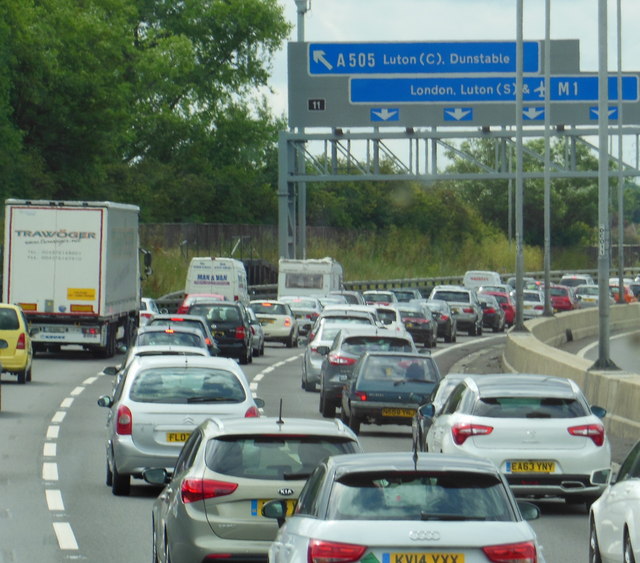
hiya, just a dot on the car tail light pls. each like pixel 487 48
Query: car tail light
pixel 124 421
pixel 524 552
pixel 182 310
pixel 193 490
pixel 312 316
pixel 287 321
pixel 360 396
pixel 312 335
pixel 462 431
pixel 253 331
pixel 539 308
pixel 337 360
pixel 593 431
pixel 444 317
pixel 240 333
pixel 467 310
pixel 321 551
pixel 252 412
pixel 22 342
pixel 207 341
pixel 490 310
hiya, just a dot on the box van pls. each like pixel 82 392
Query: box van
pixel 473 279
pixel 308 277
pixel 224 276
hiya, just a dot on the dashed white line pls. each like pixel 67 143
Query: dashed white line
pixel 64 533
pixel 54 499
pixel 89 380
pixel 49 449
pixel 77 391
pixel 52 432
pixel 49 471
pixel 66 403
pixel 59 417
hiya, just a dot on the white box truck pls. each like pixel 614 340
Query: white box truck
pixel 308 277
pixel 219 275
pixel 73 267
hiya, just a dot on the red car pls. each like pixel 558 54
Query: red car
pixel 563 298
pixel 507 304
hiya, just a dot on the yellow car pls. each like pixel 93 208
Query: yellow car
pixel 16 352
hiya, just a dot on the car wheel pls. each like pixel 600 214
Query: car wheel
pixel 448 337
pixel 307 386
pixel 244 357
pixel 22 376
pixel 628 556
pixel 262 348
pixel 28 374
pixel 120 484
pixel 354 423
pixel 109 479
pixel 326 410
pixel 479 330
pixel 594 548
pixel 473 330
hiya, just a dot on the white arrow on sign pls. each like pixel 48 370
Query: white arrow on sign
pixel 458 113
pixel 612 113
pixel 384 114
pixel 318 57
pixel 533 113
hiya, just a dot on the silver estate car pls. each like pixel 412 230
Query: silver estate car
pixel 397 507
pixel 211 508
pixel 464 305
pixel 157 403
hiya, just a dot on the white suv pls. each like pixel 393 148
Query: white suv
pixel 464 305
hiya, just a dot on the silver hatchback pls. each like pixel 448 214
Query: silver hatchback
pixel 158 402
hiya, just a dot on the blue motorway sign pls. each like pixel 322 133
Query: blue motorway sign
pixel 420 58
pixel 418 90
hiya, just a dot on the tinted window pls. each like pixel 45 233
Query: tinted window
pixel 362 344
pixel 630 468
pixel 454 399
pixel 412 314
pixel 160 338
pixel 529 407
pixel 186 385
pixel 453 296
pixel 420 496
pixel 398 369
pixel 270 309
pixel 309 497
pixel 272 457
pixel 188 452
pixel 8 319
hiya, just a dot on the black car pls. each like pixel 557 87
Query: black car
pixel 420 323
pixel 493 315
pixel 230 325
pixel 386 388
pixel 193 321
pixel 340 358
pixel 446 320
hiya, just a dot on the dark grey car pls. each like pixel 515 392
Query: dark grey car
pixel 341 356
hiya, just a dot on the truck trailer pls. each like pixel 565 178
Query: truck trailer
pixel 73 267
pixel 308 277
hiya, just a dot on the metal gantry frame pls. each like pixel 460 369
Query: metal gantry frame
pixel 415 155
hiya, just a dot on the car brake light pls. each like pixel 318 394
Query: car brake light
pixel 252 412
pixel 524 552
pixel 193 490
pixel 321 551
pixel 336 360
pixel 462 431
pixel 360 395
pixel 240 333
pixel 287 321
pixel 22 342
pixel 124 421
pixel 490 310
pixel 593 431
pixel 467 310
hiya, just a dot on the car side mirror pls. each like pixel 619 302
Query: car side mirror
pixel 259 402
pixel 529 510
pixel 427 410
pixel 275 509
pixel 110 370
pixel 156 476
pixel 105 401
pixel 323 350
pixel 600 412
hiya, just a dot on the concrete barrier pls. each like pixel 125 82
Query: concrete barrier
pixel 536 351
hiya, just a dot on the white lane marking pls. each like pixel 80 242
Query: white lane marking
pixel 59 417
pixel 77 391
pixel 258 377
pixel 49 471
pixel 66 403
pixel 64 533
pixel 265 370
pixel 52 432
pixel 89 380
pixel 49 449
pixel 54 499
pixel 485 340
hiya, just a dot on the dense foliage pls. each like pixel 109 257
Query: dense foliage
pixel 161 104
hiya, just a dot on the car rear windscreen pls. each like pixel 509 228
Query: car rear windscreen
pixel 529 407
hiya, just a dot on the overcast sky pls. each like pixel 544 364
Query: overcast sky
pixel 460 20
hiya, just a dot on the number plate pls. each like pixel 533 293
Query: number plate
pixel 398 412
pixel 218 333
pixel 423 557
pixel 531 466
pixel 256 506
pixel 178 436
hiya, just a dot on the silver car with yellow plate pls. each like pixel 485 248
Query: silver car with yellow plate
pixel 397 507
pixel 158 402
pixel 211 508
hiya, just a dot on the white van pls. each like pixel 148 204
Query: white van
pixel 224 276
pixel 473 279
pixel 308 277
